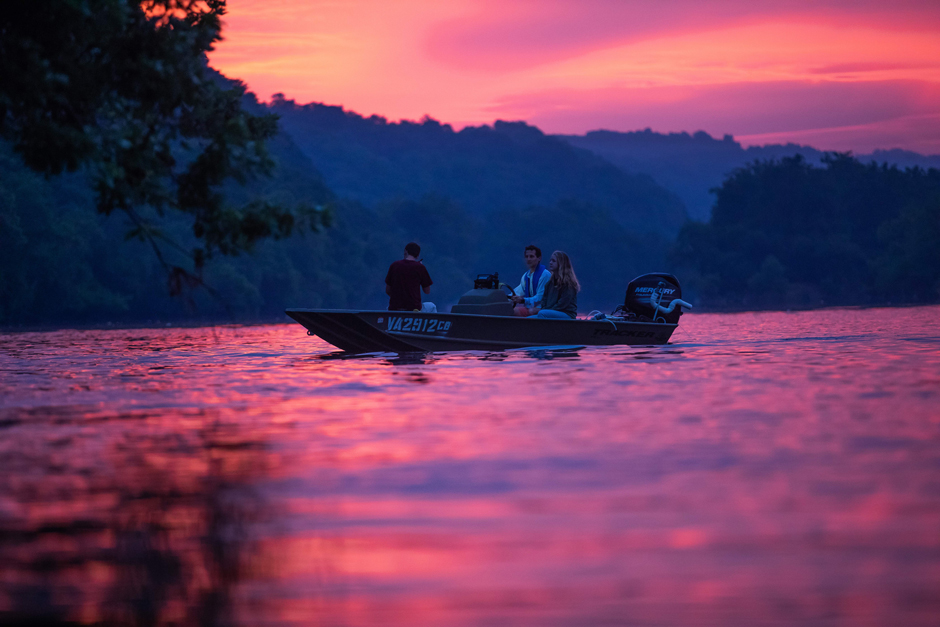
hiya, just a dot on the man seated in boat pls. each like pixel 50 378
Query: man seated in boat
pixel 405 280
pixel 532 287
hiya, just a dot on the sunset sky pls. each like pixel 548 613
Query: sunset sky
pixel 837 74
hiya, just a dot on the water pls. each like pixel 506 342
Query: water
pixel 763 469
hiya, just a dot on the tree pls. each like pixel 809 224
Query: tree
pixel 786 233
pixel 122 89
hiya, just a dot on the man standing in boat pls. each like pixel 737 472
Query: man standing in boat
pixel 405 280
pixel 532 287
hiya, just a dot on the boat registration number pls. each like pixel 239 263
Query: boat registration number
pixel 418 325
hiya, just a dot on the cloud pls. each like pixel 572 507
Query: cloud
pixel 726 66
pixel 511 35
pixel 920 133
pixel 865 67
pixel 747 109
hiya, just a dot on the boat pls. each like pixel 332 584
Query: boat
pixel 483 320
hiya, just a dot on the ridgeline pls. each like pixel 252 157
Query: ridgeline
pixel 784 231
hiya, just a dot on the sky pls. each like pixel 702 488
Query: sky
pixel 836 74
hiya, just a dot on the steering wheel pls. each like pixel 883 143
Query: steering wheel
pixel 511 292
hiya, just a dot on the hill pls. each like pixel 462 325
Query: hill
pixel 485 169
pixel 62 261
pixel 787 233
pixel 692 165
pixel 473 199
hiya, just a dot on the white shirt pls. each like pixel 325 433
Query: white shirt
pixel 532 301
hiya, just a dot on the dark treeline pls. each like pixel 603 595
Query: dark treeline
pixel 120 91
pixel 509 165
pixel 137 184
pixel 62 262
pixel 690 165
pixel 785 233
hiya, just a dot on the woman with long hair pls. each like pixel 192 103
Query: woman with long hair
pixel 561 292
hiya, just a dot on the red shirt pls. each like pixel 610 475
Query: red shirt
pixel 406 277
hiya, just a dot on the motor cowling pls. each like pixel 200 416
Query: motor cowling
pixel 647 289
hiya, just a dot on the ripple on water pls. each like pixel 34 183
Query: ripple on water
pixel 764 468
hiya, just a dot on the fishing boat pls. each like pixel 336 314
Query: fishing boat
pixel 483 320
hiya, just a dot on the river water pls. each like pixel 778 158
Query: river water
pixel 762 469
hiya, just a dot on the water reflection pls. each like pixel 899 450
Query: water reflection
pixel 659 353
pixel 127 529
pixel 749 473
pixel 547 354
pixel 424 358
pixel 410 359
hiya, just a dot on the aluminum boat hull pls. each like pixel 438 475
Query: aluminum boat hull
pixel 401 331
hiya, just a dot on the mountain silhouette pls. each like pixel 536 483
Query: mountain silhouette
pixel 692 165
pixel 509 165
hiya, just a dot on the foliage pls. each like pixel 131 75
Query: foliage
pixel 47 244
pixel 58 262
pixel 689 165
pixel 121 88
pixel 788 234
pixel 783 233
pixel 485 169
pixel 909 264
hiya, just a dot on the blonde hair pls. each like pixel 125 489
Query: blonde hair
pixel 564 275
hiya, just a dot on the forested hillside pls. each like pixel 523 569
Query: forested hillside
pixel 62 262
pixel 510 165
pixel 692 165
pixel 785 233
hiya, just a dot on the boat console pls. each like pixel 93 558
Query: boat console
pixel 484 302
pixel 486 298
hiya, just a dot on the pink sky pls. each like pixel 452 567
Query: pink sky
pixel 840 75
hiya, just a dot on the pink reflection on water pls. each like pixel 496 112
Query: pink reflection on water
pixel 765 468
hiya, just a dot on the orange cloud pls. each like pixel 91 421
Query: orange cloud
pixel 502 34
pixel 569 66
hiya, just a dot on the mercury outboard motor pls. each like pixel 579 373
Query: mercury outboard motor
pixel 651 296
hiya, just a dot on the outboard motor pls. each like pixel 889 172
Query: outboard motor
pixel 486 298
pixel 651 296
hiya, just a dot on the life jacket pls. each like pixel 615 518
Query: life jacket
pixel 530 287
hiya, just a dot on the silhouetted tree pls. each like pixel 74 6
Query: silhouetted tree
pixel 786 233
pixel 122 89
